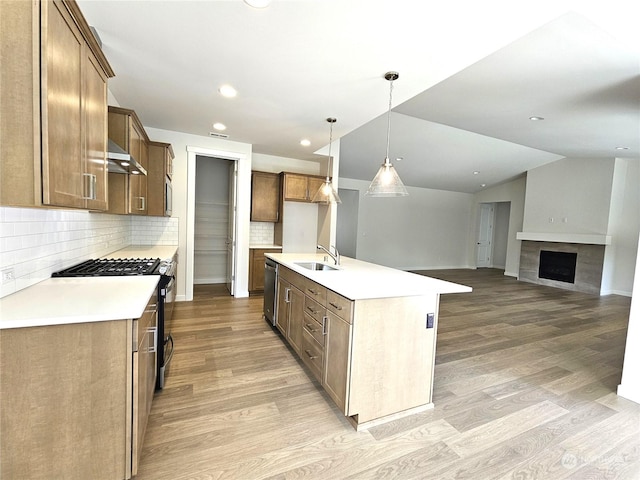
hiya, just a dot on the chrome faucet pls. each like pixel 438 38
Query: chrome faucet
pixel 336 257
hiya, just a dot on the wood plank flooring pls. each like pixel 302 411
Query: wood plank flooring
pixel 524 389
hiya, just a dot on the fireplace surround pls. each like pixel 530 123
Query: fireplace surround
pixel 588 267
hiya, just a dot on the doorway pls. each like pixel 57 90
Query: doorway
pixel 240 257
pixel 492 234
pixel 213 221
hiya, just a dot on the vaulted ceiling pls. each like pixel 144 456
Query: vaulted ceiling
pixel 471 76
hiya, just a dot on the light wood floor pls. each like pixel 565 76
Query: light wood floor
pixel 524 389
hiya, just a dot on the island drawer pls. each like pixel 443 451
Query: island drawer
pixel 290 276
pixel 315 328
pixel 312 354
pixel 341 306
pixel 315 291
pixel 314 309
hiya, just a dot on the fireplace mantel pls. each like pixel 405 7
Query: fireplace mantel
pixel 584 238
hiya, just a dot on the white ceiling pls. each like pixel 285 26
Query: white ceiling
pixel 471 75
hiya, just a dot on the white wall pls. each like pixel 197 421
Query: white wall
pixel 569 196
pixel 514 193
pixel 624 225
pixel 428 229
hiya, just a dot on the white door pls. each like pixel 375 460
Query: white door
pixel 485 235
pixel 231 232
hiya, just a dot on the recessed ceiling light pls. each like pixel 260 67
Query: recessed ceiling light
pixel 535 119
pixel 622 148
pixel 258 3
pixel 227 91
pixel 220 126
pixel 483 185
pixel 476 172
pixel 304 142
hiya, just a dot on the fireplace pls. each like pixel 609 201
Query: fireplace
pixel 560 266
pixel 574 266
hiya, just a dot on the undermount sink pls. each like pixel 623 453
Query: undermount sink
pixel 316 266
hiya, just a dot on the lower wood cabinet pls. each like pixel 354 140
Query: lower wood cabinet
pixel 75 398
pixel 256 268
pixel 290 309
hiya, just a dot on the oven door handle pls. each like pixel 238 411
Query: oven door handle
pixel 168 359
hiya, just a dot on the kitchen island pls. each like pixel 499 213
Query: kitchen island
pixel 366 332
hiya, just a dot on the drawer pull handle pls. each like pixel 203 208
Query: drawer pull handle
pixel 311 357
pixel 324 325
pixel 310 328
pixel 313 291
pixel 312 310
pixel 337 307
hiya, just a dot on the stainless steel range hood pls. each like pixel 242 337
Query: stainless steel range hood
pixel 121 161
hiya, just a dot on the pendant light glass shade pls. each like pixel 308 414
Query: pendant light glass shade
pixel 387 182
pixel 326 193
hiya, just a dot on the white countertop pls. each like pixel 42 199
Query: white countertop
pixel 145 251
pixel 59 301
pixel 270 247
pixel 359 280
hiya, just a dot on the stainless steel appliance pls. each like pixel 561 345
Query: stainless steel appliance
pixel 166 294
pixel 270 274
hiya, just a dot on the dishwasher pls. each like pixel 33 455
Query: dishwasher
pixel 270 274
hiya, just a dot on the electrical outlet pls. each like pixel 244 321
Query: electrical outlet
pixel 430 318
pixel 8 276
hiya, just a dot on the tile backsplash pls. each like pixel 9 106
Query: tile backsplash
pixel 261 233
pixel 35 242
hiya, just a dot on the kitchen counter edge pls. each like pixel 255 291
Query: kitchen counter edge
pixel 359 280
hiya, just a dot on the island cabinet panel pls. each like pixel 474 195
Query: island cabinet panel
pixel 337 371
pixel 290 307
pixel 398 376
pixel 54 74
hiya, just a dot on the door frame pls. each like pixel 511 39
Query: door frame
pixel 241 285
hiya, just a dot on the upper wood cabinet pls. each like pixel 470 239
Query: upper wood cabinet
pixel 158 174
pixel 297 187
pixel 130 191
pixel 53 76
pixel 265 197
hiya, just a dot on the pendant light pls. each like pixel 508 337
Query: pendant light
pixel 387 183
pixel 326 193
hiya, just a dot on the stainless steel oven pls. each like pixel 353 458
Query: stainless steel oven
pixel 166 301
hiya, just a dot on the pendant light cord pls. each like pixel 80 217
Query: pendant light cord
pixel 389 122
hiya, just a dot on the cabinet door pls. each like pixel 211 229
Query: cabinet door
pixel 282 311
pixel 144 372
pixel 137 190
pixel 337 351
pixel 295 187
pixel 314 184
pixel 265 197
pixel 62 60
pixel 296 318
pixel 95 134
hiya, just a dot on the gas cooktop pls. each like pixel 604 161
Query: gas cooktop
pixel 111 267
